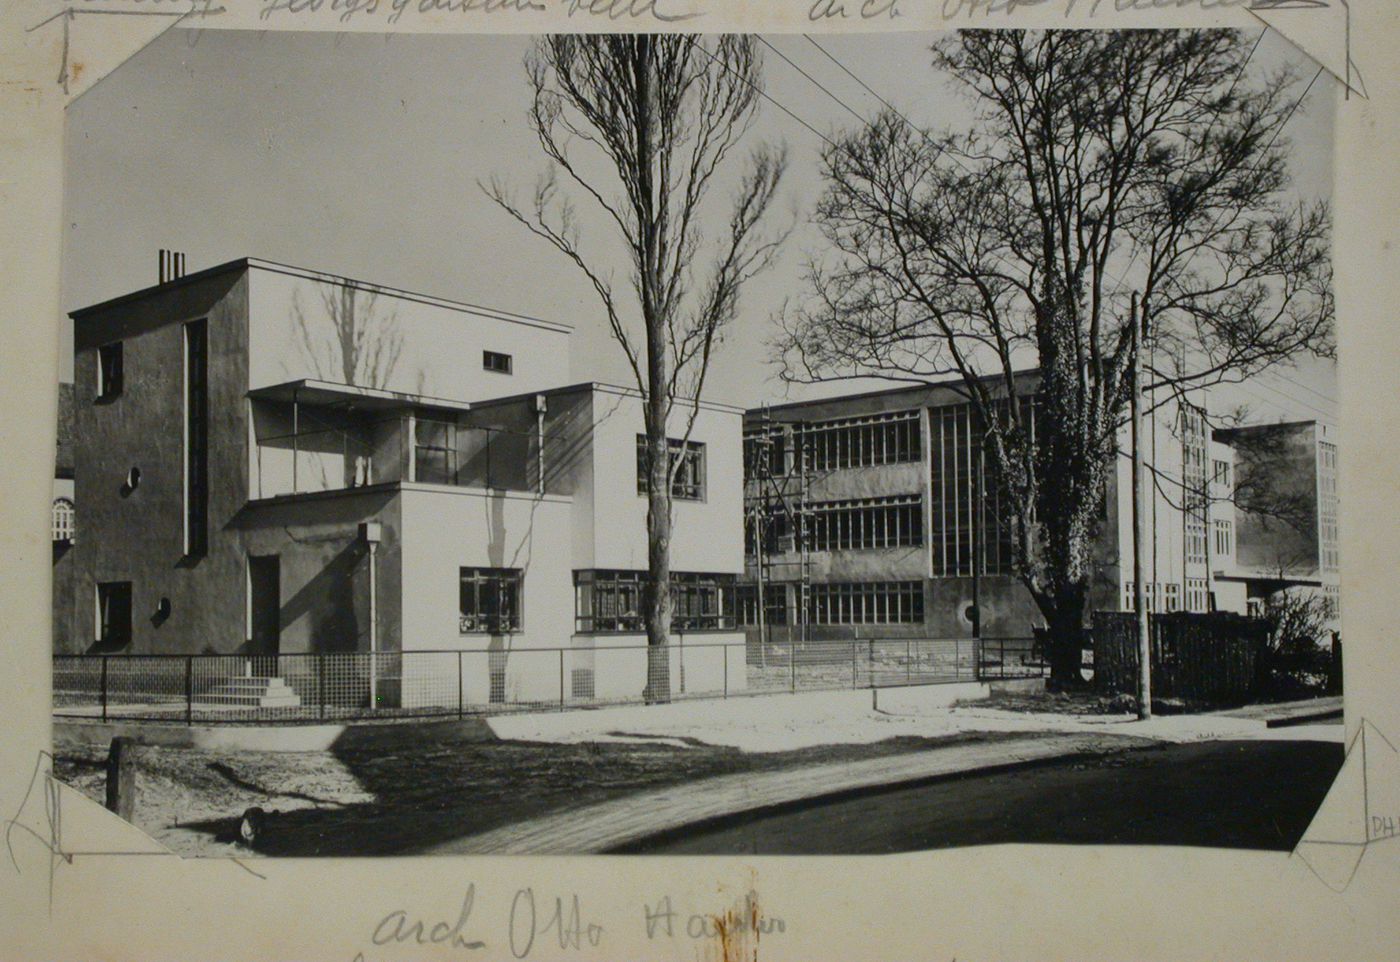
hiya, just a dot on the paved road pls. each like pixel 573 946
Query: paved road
pixel 1239 794
pixel 611 825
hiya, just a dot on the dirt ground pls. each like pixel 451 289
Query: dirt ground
pixel 376 801
pixel 1057 702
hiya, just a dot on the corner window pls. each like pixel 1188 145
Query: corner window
pixel 109 371
pixel 689 476
pixel 490 600
pixel 612 601
pixel 496 361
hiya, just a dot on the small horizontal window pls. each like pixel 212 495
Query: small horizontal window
pixel 496 361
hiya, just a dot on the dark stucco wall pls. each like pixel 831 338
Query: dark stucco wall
pixel 137 535
pixel 325 567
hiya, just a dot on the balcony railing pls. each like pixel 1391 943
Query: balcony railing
pixel 397 449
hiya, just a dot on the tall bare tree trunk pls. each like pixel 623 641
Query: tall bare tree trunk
pixel 658 396
pixel 659 601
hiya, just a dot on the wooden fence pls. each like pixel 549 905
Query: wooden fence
pixel 1204 658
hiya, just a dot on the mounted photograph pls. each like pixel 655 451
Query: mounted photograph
pixel 709 444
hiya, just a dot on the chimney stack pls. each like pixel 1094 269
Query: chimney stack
pixel 172 265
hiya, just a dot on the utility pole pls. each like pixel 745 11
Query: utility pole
pixel 1144 697
pixel 977 547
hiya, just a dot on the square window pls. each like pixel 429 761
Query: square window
pixel 490 600
pixel 109 371
pixel 688 481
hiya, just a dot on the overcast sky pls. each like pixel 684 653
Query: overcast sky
pixel 360 155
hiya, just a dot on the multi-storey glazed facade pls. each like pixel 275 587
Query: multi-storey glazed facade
pixel 876 513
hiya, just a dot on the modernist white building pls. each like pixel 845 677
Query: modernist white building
pixel 276 461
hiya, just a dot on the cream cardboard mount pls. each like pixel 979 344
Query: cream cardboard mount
pixel 78 879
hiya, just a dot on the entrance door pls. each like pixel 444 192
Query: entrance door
pixel 113 616
pixel 264 606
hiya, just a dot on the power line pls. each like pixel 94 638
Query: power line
pixel 1296 383
pixel 813 80
pixel 765 95
pixel 868 89
pixel 1250 388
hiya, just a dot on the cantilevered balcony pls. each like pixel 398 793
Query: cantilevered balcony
pixel 310 436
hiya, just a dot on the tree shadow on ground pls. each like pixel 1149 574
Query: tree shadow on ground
pixel 438 782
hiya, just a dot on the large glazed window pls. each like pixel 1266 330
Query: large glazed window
pixel 614 601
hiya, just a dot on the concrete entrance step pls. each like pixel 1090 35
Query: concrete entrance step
pixel 251 692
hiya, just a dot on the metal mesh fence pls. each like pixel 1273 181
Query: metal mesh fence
pixel 338 686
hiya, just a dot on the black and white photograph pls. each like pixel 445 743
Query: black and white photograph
pixel 699 443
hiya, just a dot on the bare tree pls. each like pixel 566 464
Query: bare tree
pixel 1098 164
pixel 642 126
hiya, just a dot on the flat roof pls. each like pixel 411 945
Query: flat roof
pixel 605 388
pixel 954 381
pixel 328 393
pixel 244 263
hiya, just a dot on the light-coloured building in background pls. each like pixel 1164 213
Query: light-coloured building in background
pixel 273 461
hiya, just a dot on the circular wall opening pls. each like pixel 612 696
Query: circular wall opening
pixel 133 478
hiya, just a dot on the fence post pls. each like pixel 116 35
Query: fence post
pixel 561 677
pixel 459 684
pixel 853 662
pixel 321 682
pixel 957 659
pixel 908 661
pixel 792 665
pixel 189 689
pixel 870 661
pixel 121 777
pixel 725 650
pixel 104 687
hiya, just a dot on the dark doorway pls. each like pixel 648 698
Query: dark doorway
pixel 264 604
pixel 113 617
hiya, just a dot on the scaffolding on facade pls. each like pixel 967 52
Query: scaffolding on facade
pixel 779 509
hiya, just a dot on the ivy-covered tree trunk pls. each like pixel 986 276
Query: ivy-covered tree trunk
pixel 1073 442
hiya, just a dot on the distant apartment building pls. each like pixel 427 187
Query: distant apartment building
pixel 1285 507
pixel 271 460
pixel 876 514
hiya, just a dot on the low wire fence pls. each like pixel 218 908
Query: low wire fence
pixel 339 686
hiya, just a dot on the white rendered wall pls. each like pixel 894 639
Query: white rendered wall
pixel 426 347
pixel 707 535
pixel 445 529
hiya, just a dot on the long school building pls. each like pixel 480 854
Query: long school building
pixel 875 515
